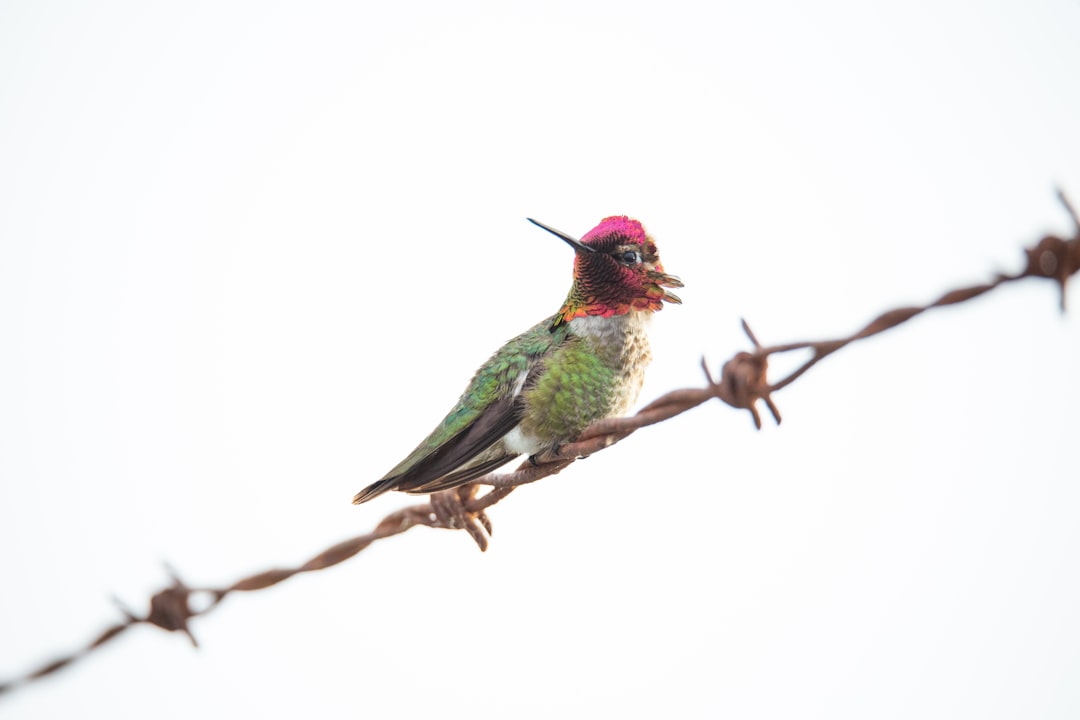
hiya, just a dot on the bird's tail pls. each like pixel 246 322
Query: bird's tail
pixel 375 489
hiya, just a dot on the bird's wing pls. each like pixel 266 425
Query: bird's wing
pixel 435 465
pixel 491 407
pixel 445 466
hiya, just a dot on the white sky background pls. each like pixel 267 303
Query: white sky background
pixel 250 253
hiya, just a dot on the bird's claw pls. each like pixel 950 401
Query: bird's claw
pixel 449 507
pixel 551 454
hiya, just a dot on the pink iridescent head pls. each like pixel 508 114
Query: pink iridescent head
pixel 616 270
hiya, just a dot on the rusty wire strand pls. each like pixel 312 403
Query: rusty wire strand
pixel 743 382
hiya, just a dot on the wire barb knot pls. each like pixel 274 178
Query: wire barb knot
pixel 450 510
pixel 170 609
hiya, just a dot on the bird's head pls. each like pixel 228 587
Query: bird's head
pixel 616 270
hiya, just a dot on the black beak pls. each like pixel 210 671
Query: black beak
pixel 571 241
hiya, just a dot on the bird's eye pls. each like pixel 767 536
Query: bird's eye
pixel 630 257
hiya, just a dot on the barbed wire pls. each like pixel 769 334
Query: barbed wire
pixel 743 383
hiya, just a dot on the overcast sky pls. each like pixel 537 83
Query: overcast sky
pixel 250 253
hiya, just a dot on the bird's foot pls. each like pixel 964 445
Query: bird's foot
pixel 551 454
pixel 449 507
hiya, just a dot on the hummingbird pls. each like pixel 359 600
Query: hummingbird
pixel 543 388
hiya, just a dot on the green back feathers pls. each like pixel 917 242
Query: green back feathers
pixel 495 380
